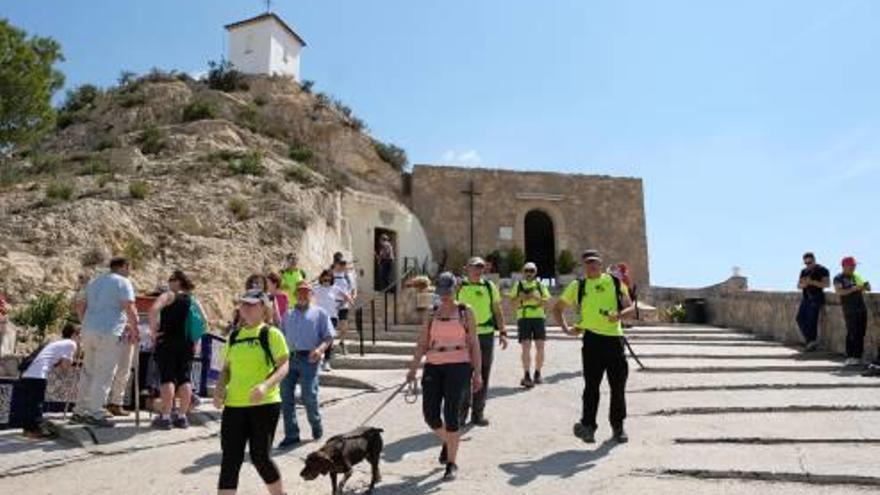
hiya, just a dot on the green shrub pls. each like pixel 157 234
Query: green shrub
pixel 131 99
pixel 222 76
pixel 239 208
pixel 249 117
pixel 45 164
pixel 135 251
pixel 300 174
pixel 43 314
pixel 322 100
pixel 674 313
pixel 104 179
pixel 62 191
pixel 337 179
pixel 105 143
pixel 565 263
pixel 270 187
pixel 199 110
pixel 95 166
pixel 152 140
pixel 342 108
pixel 80 98
pixel 516 259
pixel 248 163
pixel 126 80
pixel 261 100
pixel 307 86
pixel 138 189
pixel 300 153
pixel 391 154
pixel 66 119
pixel 356 124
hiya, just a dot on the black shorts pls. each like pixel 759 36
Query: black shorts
pixel 343 315
pixel 531 329
pixel 175 366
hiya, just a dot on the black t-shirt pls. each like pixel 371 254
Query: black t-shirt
pixel 817 272
pixel 854 302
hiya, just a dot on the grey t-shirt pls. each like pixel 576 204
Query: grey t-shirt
pixel 106 297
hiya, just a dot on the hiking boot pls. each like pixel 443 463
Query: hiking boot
pixel 873 370
pixel 479 421
pixel 538 379
pixel 811 346
pixel 161 423
pixel 444 455
pixel 527 381
pixel 98 422
pixel 585 433
pixel 118 411
pixel 620 434
pixel 451 472
pixel 180 422
pixel 289 443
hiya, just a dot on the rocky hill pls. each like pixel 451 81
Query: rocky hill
pixel 171 173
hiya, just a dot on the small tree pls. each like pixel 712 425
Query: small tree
pixel 565 263
pixel 516 258
pixel 391 154
pixel 28 79
pixel 223 76
pixel 43 314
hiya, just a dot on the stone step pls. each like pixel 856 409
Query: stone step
pixel 371 361
pixel 396 348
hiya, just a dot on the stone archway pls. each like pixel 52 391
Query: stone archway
pixel 540 242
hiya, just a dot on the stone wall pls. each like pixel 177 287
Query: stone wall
pixel 772 314
pixel 588 211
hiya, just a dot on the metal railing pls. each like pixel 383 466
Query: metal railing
pixel 411 267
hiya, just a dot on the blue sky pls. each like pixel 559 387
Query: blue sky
pixel 754 124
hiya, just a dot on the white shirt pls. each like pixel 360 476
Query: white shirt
pixel 51 355
pixel 344 282
pixel 327 298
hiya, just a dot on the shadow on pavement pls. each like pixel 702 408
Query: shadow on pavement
pixel 12 442
pixel 562 376
pixel 395 451
pixel 202 463
pixel 413 484
pixel 560 464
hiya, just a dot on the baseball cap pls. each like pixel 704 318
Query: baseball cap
pixel 254 296
pixel 848 261
pixel 591 255
pixel 445 284
pixel 476 261
pixel 304 285
pixel 530 267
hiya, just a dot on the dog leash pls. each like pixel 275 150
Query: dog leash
pixel 411 396
pixel 633 353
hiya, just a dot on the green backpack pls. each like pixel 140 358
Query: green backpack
pixel 196 326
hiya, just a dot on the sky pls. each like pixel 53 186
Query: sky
pixel 754 124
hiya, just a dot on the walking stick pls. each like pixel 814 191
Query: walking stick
pixel 633 354
pixel 137 385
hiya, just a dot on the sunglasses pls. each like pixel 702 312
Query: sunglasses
pixel 530 271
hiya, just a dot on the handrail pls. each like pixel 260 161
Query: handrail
pixel 359 307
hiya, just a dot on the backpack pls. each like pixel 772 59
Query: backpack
pixel 491 321
pixel 462 317
pixel 520 288
pixel 264 343
pixel 195 325
pixel 582 291
pixel 29 359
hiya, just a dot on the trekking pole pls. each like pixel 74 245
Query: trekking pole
pixel 633 354
pixel 137 385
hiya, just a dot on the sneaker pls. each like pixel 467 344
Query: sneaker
pixel 585 433
pixel 117 411
pixel 479 421
pixel 538 379
pixel 180 422
pixel 444 455
pixel 811 346
pixel 873 370
pixel 289 443
pixel 325 367
pixel 852 362
pixel 161 423
pixel 98 422
pixel 620 434
pixel 451 472
pixel 527 381
pixel 317 435
pixel 77 418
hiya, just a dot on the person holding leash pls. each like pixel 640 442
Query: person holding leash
pixel 603 301
pixel 449 343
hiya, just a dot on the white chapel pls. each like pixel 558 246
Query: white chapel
pixel 265 44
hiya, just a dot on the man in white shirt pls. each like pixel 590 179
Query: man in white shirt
pixel 33 379
pixel 342 279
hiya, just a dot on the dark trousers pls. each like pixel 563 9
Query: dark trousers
pixel 253 427
pixel 33 392
pixel 386 273
pixel 856 325
pixel 601 355
pixel 444 388
pixel 808 319
pixel 477 401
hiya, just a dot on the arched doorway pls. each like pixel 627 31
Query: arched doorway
pixel 541 242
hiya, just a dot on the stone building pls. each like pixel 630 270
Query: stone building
pixel 542 213
pixel 265 44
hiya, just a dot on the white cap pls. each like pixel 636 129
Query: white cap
pixel 530 266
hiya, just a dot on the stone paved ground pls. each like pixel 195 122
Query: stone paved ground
pixel 717 412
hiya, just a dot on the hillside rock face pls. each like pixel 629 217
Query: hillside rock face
pixel 217 196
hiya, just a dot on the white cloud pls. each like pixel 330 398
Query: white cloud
pixel 465 157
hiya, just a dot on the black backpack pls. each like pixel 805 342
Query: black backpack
pixel 263 337
pixel 29 359
pixel 488 285
pixel 582 291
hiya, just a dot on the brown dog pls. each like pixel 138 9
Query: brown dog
pixel 341 453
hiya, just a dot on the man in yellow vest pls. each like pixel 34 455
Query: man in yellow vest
pixel 529 296
pixel 484 298
pixel 603 301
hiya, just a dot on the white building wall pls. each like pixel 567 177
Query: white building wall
pixel 284 53
pixel 249 47
pixel 363 214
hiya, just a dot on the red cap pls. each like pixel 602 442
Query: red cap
pixel 848 261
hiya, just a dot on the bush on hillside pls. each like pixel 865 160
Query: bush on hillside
pixel 199 110
pixel 223 76
pixel 152 140
pixel 391 154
